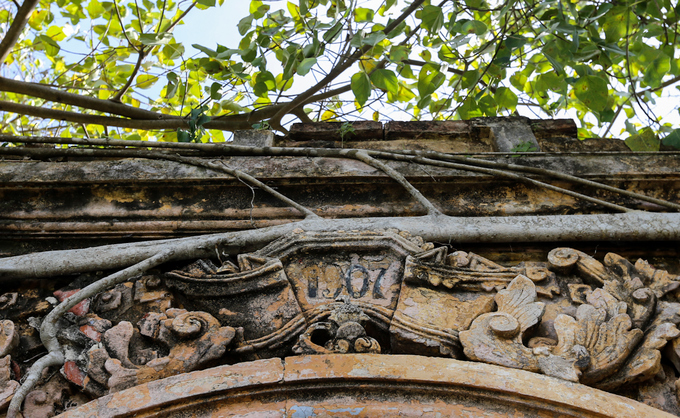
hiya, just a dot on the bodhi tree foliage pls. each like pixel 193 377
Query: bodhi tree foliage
pixel 93 68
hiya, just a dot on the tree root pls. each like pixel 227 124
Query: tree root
pixel 49 329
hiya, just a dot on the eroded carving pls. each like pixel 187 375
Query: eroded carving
pixel 608 324
pixel 614 338
pixel 342 332
pixel 192 340
pixel 497 337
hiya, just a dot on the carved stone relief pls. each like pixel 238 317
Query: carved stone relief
pixel 609 324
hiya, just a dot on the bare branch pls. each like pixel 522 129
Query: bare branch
pixel 49 329
pixel 246 178
pixel 225 149
pixel 122 26
pixel 363 156
pixel 76 117
pixel 57 96
pixel 179 19
pixel 146 118
pixel 548 173
pixel 156 155
pixel 502 173
pixel 15 29
pixel 140 58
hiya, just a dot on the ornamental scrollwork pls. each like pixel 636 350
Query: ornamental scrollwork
pixel 607 323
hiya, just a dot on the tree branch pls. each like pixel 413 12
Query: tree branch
pixel 15 29
pixel 234 123
pixel 248 179
pixel 76 117
pixel 501 173
pixel 146 118
pixel 363 156
pixel 548 173
pixel 156 155
pixel 340 68
pixel 141 54
pixel 225 149
pixel 53 95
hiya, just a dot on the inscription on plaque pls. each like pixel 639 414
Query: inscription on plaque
pixel 323 279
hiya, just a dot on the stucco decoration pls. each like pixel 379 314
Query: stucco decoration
pixel 613 339
pixel 610 324
pixel 340 332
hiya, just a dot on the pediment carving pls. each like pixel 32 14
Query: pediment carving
pixel 608 324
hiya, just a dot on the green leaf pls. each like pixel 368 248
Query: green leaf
pixel 373 38
pixel 264 83
pixel 469 78
pixel 145 81
pixel 153 39
pixel 644 141
pixel 488 105
pixel 333 33
pixel 245 24
pixel 432 18
pixel 56 33
pixel 209 52
pixel 506 98
pixel 673 139
pixel 215 91
pixel 592 91
pixel 49 45
pixel 306 65
pixel 95 9
pixel 202 120
pixel 206 3
pixel 398 53
pixel 362 14
pixel 469 109
pixel 515 41
pixel 475 26
pixel 183 136
pixel 656 70
pixel 429 80
pixel 172 51
pixel 170 89
pixel 361 87
pixel 385 80
pixel 467 26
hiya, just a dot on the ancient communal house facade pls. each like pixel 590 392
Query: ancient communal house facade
pixel 493 267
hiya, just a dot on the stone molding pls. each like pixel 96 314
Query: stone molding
pixel 362 385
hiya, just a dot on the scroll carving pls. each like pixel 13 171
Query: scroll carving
pixel 193 339
pixel 611 324
pixel 497 337
pixel 613 338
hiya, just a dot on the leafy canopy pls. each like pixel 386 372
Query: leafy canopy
pixel 328 60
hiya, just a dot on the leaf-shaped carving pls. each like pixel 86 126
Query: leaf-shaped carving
pixel 518 301
pixel 601 299
pixel 646 361
pixel 496 337
pixel 609 342
pixel 660 281
pixel 193 339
